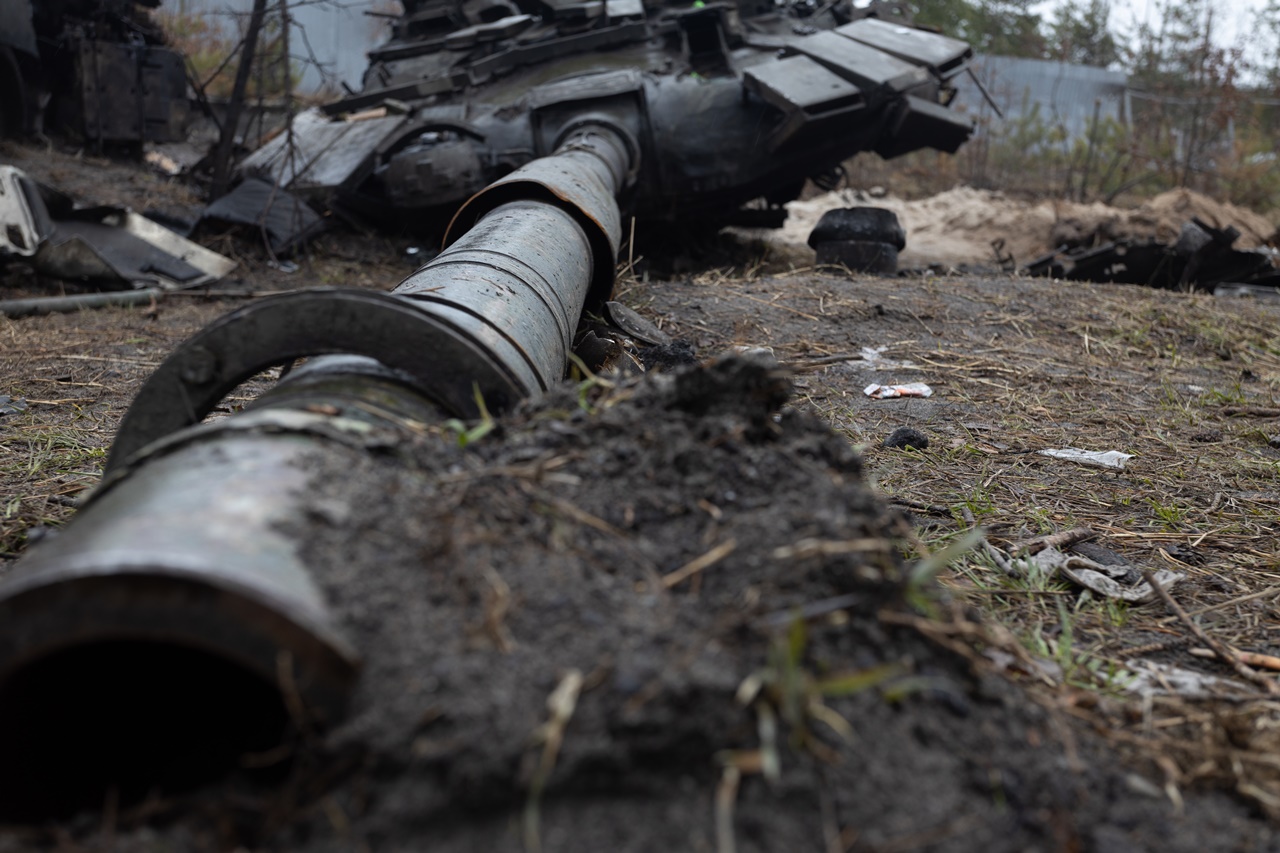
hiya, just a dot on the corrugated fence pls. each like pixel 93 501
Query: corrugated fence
pixel 1066 95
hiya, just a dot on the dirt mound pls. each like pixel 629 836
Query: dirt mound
pixel 959 226
pixel 666 616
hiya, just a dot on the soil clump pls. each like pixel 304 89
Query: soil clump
pixel 564 555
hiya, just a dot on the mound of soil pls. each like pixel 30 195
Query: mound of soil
pixel 668 615
pixel 957 227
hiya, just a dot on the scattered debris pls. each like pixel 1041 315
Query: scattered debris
pixel 1096 458
pixel 887 392
pixel 630 322
pixel 875 359
pixel 1200 258
pixel 747 351
pixel 112 244
pixel 285 220
pixel 11 405
pixel 1220 650
pixel 1108 580
pixel 105 244
pixel 1165 679
pixel 956 228
pixel 907 438
pixel 178 158
pixel 163 163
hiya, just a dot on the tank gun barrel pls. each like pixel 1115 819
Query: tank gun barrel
pixel 189 556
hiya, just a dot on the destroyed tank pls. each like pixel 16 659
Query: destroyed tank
pixel 729 105
pixel 181 598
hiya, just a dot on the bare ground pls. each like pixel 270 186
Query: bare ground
pixel 992 714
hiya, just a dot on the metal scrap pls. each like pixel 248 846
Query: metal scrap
pixel 1201 258
pixel 1107 580
pixel 284 219
pixel 44 228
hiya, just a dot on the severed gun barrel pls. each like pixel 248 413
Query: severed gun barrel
pixel 180 579
pixel 174 625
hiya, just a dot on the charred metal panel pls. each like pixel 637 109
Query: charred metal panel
pixel 286 220
pixel 941 55
pixel 104 243
pixel 918 123
pixel 805 91
pixel 320 154
pixel 130 92
pixel 878 74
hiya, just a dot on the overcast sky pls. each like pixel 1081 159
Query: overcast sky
pixel 1234 22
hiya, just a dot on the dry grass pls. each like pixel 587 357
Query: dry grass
pixel 1186 383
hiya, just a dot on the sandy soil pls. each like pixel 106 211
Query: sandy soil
pixel 536 587
pixel 958 227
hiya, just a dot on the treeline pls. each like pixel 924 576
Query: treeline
pixel 1203 109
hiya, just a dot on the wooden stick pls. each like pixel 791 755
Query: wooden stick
pixel 1271 590
pixel 1063 539
pixel 706 561
pixel 1261 661
pixel 1219 649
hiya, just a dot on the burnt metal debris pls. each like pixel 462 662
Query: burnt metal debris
pixel 192 546
pixel 96 68
pixel 286 221
pixel 107 245
pixel 732 104
pixel 1202 258
pixel 862 239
